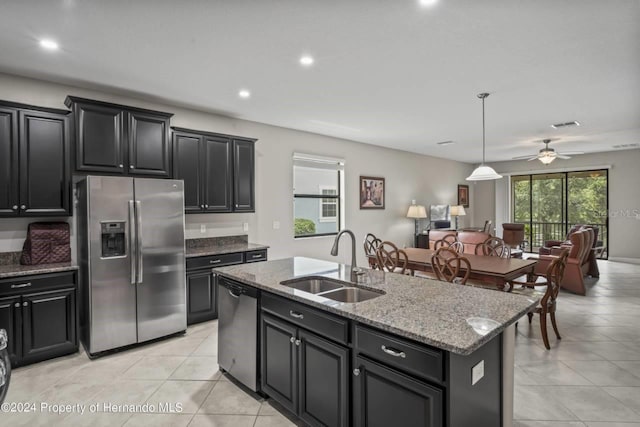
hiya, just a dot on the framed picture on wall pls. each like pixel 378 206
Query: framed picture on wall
pixel 371 192
pixel 463 195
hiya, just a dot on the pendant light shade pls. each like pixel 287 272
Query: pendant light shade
pixel 483 172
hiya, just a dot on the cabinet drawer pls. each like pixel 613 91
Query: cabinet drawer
pixel 322 323
pixel 255 256
pixel 399 353
pixel 37 283
pixel 214 261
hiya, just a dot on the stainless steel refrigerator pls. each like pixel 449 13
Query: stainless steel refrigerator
pixel 131 256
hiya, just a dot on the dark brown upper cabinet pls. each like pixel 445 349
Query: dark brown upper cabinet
pixel 217 169
pixel 34 161
pixel 121 140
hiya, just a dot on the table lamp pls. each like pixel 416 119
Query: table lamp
pixel 457 210
pixel 416 212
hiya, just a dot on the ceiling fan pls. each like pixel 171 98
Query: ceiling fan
pixel 547 155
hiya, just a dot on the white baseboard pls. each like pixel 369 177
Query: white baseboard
pixel 626 260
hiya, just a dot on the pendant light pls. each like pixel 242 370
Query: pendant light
pixel 483 172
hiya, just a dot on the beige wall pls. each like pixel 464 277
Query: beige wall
pixel 624 194
pixel 408 176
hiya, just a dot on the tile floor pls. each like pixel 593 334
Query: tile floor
pixel 591 378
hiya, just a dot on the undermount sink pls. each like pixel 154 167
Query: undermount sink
pixel 351 295
pixel 314 285
pixel 332 289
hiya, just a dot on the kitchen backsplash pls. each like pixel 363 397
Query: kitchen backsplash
pixel 216 241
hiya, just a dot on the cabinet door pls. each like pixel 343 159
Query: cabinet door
pixel 201 297
pixel 323 381
pixel 187 167
pixel 49 324
pixel 243 176
pixel 384 397
pixel 279 364
pixel 8 162
pixel 10 320
pixel 45 184
pixel 99 138
pixel 149 144
pixel 217 174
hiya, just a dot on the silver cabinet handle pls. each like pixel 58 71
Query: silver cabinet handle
pixel 17 305
pixel 132 244
pixel 24 304
pixel 215 261
pixel 296 314
pixel 356 372
pixel 120 165
pixel 139 239
pixel 292 340
pixel 130 166
pixel 202 206
pixel 297 342
pixel 206 206
pixel 23 207
pixel 233 295
pixel 21 285
pixel 237 205
pixel 393 352
pixel 256 256
pixel 14 207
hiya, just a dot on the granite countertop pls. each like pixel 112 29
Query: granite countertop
pixel 222 249
pixel 424 310
pixel 17 270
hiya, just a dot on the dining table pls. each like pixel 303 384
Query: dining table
pixel 487 270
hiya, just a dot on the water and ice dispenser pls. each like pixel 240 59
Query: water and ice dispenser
pixel 113 239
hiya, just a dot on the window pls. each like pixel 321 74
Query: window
pixel 550 204
pixel 317 201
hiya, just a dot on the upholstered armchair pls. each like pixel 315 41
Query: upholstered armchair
pixel 435 235
pixel 471 239
pixel 551 246
pixel 581 243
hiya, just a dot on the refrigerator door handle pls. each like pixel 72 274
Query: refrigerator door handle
pixel 139 239
pixel 132 242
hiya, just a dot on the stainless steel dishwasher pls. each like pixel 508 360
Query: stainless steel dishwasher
pixel 238 331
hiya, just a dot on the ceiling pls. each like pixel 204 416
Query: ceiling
pixel 390 73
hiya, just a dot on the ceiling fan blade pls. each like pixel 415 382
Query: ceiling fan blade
pixel 560 156
pixel 532 157
pixel 571 153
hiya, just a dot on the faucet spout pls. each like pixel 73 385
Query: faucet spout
pixel 334 249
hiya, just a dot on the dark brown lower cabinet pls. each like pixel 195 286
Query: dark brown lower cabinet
pixel 48 324
pixel 39 314
pixel 378 388
pixel 201 297
pixel 305 373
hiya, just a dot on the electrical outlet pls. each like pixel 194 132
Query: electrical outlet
pixel 245 226
pixel 203 228
pixel 477 372
pixel 276 225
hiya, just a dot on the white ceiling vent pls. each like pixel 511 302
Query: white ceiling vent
pixel 445 143
pixel 626 146
pixel 564 125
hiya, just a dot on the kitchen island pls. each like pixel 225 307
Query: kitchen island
pixel 421 352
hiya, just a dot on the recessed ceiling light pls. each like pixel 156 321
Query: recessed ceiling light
pixel 306 60
pixel 48 44
pixel 566 124
pixel 244 93
pixel 427 3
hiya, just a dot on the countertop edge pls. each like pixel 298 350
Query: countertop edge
pixel 43 270
pixel 463 351
pixel 222 250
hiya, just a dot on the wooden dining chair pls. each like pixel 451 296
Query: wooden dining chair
pixel 494 246
pixel 447 263
pixel 390 258
pixel 547 305
pixel 371 245
pixel 449 241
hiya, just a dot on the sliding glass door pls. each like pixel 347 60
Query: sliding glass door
pixel 550 204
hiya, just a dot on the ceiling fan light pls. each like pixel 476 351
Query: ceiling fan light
pixel 546 159
pixel 483 173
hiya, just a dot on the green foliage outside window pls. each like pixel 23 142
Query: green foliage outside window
pixel 303 227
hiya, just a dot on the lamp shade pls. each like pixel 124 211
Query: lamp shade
pixel 483 173
pixel 417 211
pixel 457 210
